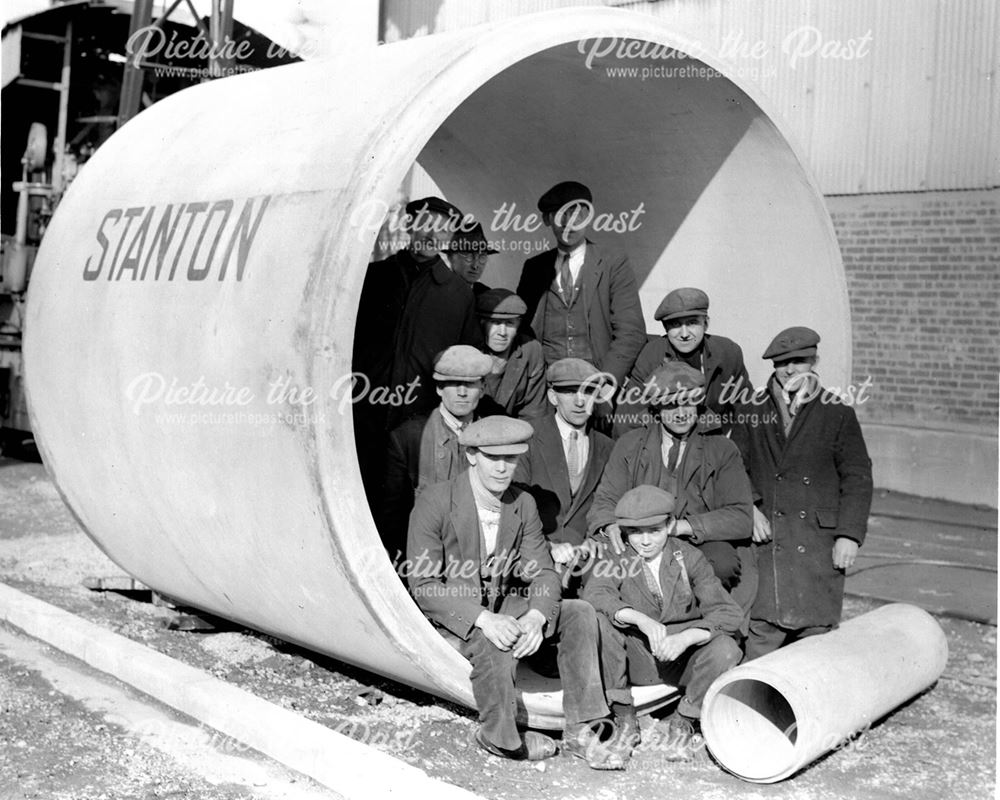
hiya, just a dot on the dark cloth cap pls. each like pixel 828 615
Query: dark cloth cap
pixel 497 435
pixel 674 382
pixel 500 304
pixel 572 372
pixel 792 343
pixel 644 505
pixel 684 302
pixel 472 240
pixel 462 362
pixel 433 205
pixel 562 194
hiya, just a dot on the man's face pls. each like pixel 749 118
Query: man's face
pixel 574 404
pixel 499 333
pixel 569 224
pixel 686 333
pixel 495 472
pixel 460 397
pixel 468 266
pixel 678 418
pixel 785 371
pixel 429 233
pixel 647 540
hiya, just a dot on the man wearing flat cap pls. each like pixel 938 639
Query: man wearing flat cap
pixel 684 314
pixel 812 482
pixel 703 472
pixel 481 572
pixel 564 464
pixel 515 385
pixel 664 617
pixel 582 297
pixel 429 224
pixel 425 450
pixel 468 252
pixel 440 311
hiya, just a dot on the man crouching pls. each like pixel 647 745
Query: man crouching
pixel 664 616
pixel 485 576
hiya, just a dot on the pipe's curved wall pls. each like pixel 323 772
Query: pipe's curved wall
pixel 214 250
pixel 767 719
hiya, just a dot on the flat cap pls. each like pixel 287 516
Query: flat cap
pixel 471 240
pixel 644 505
pixel 572 372
pixel 792 343
pixel 500 304
pixel 562 194
pixel 433 205
pixel 462 362
pixel 674 382
pixel 684 302
pixel 497 435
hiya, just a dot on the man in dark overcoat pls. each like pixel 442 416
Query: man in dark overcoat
pixel 812 481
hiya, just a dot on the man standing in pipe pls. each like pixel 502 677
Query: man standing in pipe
pixel 581 296
pixel 425 450
pixel 564 464
pixel 429 224
pixel 812 481
pixel 684 314
pixel 469 252
pixel 664 617
pixel 483 575
pixel 703 472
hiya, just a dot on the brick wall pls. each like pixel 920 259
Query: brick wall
pixel 923 274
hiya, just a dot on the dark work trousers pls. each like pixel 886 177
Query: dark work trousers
pixel 625 658
pixel 579 668
pixel 725 562
pixel 766 637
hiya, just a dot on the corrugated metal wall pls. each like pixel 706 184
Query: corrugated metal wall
pixel 916 108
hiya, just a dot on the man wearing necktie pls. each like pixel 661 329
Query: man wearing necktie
pixel 704 473
pixel 564 464
pixel 481 572
pixel 664 616
pixel 425 450
pixel 581 296
pixel 812 483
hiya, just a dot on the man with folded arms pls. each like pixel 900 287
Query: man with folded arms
pixel 481 572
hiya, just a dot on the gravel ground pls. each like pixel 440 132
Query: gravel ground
pixel 939 745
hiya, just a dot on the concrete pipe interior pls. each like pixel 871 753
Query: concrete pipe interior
pixel 262 518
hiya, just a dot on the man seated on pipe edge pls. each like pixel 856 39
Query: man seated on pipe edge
pixel 425 450
pixel 664 616
pixel 684 314
pixel 564 464
pixel 812 481
pixel 704 473
pixel 480 570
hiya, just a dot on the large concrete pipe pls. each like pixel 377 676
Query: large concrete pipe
pixel 202 275
pixel 767 719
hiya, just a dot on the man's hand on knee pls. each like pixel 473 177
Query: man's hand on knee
pixel 501 629
pixel 532 627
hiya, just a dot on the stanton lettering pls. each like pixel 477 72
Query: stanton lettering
pixel 186 241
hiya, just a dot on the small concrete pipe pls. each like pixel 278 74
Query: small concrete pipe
pixel 767 719
pixel 191 312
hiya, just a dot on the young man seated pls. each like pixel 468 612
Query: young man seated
pixel 664 616
pixel 481 572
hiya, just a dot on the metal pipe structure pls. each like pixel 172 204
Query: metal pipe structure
pixel 191 315
pixel 767 719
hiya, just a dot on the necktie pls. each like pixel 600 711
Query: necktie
pixel 674 455
pixel 573 461
pixel 566 279
pixel 652 583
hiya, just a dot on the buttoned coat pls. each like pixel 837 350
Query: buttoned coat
pixel 416 457
pixel 543 471
pixel 696 600
pixel 443 555
pixel 814 486
pixel 521 392
pixel 608 290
